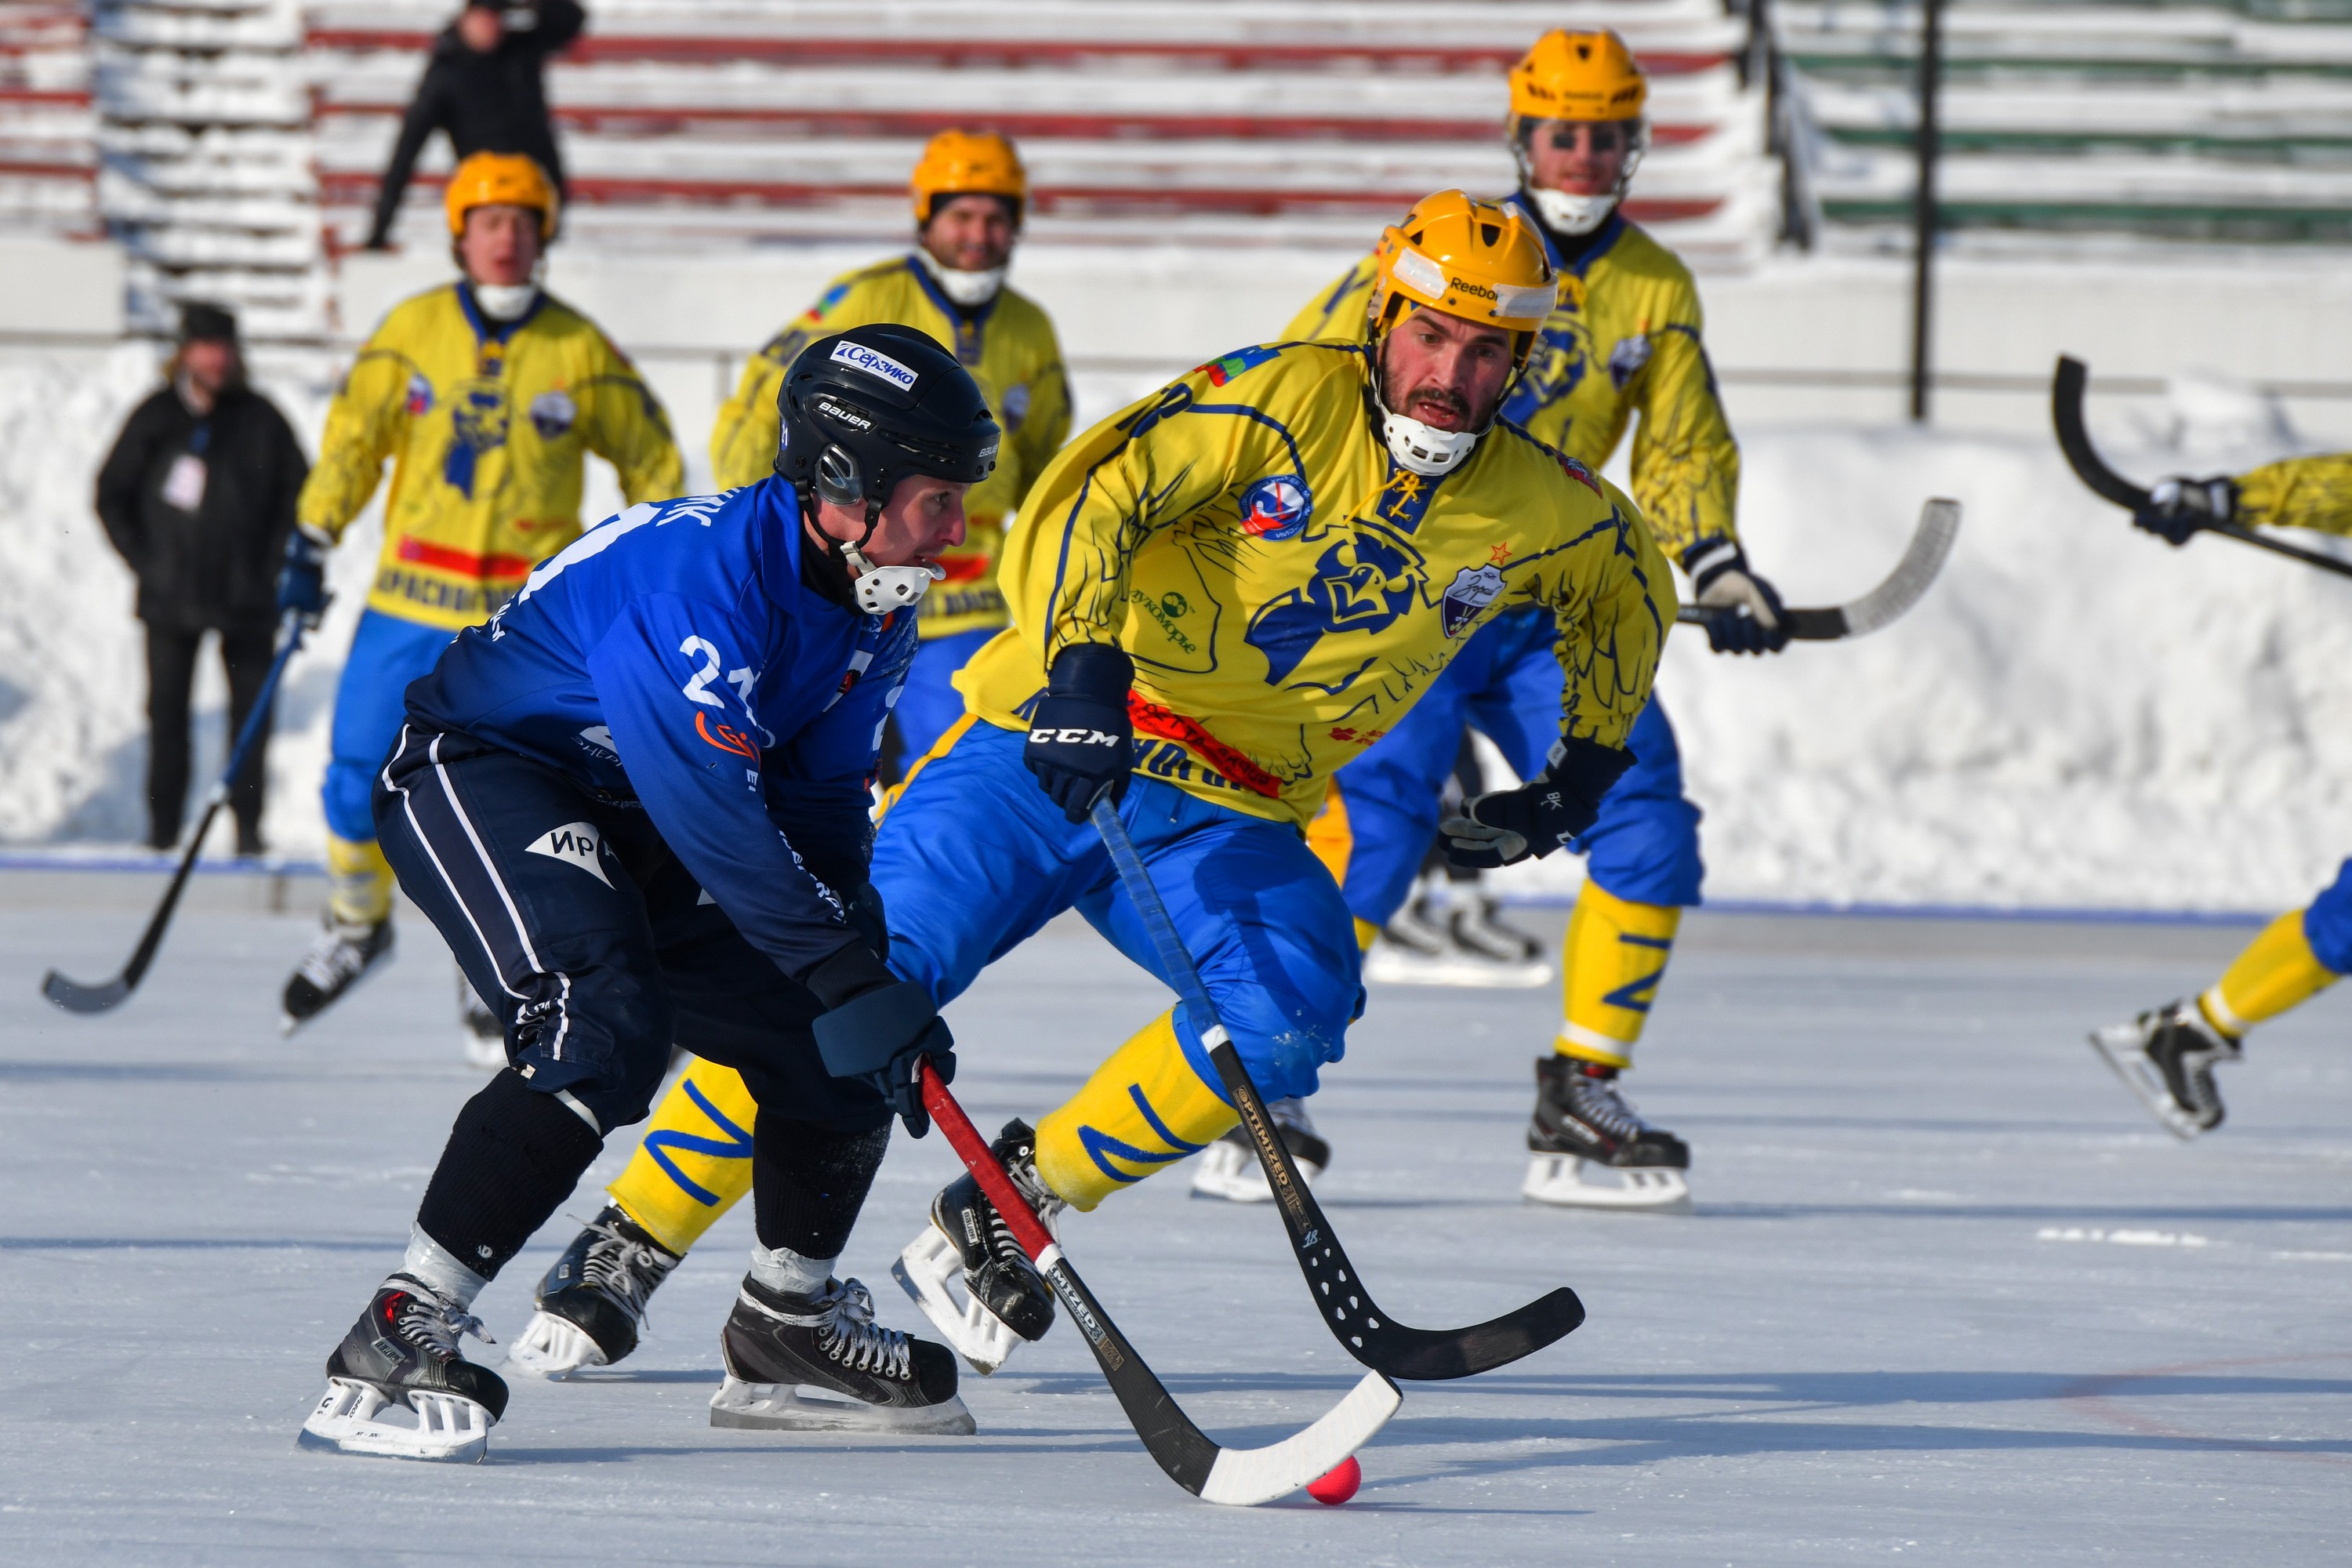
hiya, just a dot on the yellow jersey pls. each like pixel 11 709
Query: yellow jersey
pixel 2301 492
pixel 1286 591
pixel 487 425
pixel 1007 344
pixel 1624 339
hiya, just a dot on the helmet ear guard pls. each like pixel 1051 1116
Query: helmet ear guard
pixel 837 479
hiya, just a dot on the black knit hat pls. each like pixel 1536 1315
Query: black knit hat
pixel 203 323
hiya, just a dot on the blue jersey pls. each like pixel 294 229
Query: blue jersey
pixel 673 655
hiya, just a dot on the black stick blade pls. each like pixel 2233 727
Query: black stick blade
pixel 2066 389
pixel 76 997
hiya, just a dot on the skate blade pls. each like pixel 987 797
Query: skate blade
pixel 2119 1045
pixel 553 1348
pixel 449 1428
pixel 1558 1180
pixel 930 1269
pixel 1231 1172
pixel 1386 966
pixel 799 1407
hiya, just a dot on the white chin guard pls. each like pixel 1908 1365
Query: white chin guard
pixel 882 589
pixel 970 287
pixel 505 302
pixel 1423 448
pixel 1565 213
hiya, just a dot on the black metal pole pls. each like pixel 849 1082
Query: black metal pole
pixel 1923 216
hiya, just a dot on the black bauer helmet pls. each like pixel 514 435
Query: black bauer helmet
pixel 863 409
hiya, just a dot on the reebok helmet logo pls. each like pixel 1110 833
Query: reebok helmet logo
pixel 575 844
pixel 858 356
pixel 1475 290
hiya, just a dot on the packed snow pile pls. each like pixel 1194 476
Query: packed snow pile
pixel 2076 715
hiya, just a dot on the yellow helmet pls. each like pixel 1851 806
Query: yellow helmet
pixel 1479 260
pixel 969 162
pixel 1578 76
pixel 500 179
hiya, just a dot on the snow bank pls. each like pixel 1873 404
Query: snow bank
pixel 2076 716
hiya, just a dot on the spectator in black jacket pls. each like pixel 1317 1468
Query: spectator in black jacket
pixel 483 86
pixel 198 494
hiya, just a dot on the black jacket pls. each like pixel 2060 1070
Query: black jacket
pixel 217 567
pixel 493 102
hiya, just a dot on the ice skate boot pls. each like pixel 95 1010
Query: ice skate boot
pixel 1582 1122
pixel 1005 1299
pixel 481 1038
pixel 819 1362
pixel 591 1304
pixel 1475 923
pixel 343 956
pixel 2167 1058
pixel 1229 1167
pixel 1440 938
pixel 403 1352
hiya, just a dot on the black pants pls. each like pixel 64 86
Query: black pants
pixel 171 673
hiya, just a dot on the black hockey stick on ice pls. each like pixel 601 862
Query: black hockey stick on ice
pixel 1370 1335
pixel 2067 415
pixel 1193 1460
pixel 72 995
pixel 1923 557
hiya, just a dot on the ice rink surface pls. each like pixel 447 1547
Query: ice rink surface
pixel 1947 1294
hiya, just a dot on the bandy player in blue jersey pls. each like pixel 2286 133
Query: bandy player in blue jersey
pixel 635 803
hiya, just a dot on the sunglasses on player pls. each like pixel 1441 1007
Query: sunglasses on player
pixel 1599 137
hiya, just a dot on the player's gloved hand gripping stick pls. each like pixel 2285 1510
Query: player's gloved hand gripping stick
pixel 1193 1460
pixel 1370 1334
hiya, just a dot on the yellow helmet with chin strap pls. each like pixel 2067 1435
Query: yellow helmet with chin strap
pixel 500 179
pixel 1479 260
pixel 1589 76
pixel 969 162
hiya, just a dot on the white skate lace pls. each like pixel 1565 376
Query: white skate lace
pixel 339 954
pixel 845 1324
pixel 432 1324
pixel 1597 1103
pixel 623 1271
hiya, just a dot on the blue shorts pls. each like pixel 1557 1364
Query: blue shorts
pixel 2327 923
pixel 972 859
pixel 1505 684
pixel 387 653
pixel 928 702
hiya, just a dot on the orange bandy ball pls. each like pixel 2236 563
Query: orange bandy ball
pixel 1338 1484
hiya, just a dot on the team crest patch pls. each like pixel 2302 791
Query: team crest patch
pixel 574 843
pixel 1472 590
pixel 1580 473
pixel 1626 360
pixel 420 395
pixel 552 413
pixel 1016 406
pixel 1277 508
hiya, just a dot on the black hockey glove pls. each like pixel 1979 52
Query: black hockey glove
pixel 302 580
pixel 1081 740
pixel 1507 826
pixel 868 921
pixel 1744 613
pixel 2179 506
pixel 879 1028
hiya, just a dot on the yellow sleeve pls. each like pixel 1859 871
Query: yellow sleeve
pixel 366 423
pixel 2301 492
pixel 622 422
pixel 1336 314
pixel 1044 428
pixel 1686 463
pixel 743 438
pixel 1612 630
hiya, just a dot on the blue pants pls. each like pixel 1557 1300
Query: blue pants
pixel 2327 923
pixel 927 704
pixel 387 653
pixel 972 859
pixel 1506 683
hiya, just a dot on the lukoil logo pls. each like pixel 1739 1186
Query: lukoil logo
pixel 858 356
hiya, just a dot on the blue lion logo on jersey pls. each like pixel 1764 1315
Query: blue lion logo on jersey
pixel 1277 508
pixel 478 423
pixel 1361 583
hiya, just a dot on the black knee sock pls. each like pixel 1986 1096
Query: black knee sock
pixel 808 1182
pixel 514 1155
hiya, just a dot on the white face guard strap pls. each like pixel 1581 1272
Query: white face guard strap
pixel 880 590
pixel 1424 449
pixel 970 290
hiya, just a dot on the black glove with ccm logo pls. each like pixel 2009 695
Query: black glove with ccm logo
pixel 1081 740
pixel 1505 826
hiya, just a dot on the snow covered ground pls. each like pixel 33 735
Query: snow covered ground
pixel 1947 1292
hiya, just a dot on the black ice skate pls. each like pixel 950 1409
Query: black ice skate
pixel 821 1364
pixel 343 956
pixel 1005 1299
pixel 403 1352
pixel 591 1304
pixel 2167 1058
pixel 1581 1120
pixel 1229 1167
pixel 1448 936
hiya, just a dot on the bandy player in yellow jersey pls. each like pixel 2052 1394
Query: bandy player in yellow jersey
pixel 970 194
pixel 1621 345
pixel 2167 1056
pixel 1217 593
pixel 486 394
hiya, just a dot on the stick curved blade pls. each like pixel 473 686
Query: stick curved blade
pixel 1923 559
pixel 76 997
pixel 1245 1477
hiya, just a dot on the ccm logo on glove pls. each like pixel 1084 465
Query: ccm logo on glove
pixel 1081 740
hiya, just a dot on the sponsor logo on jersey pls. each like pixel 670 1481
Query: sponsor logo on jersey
pixel 1163 611
pixel 1472 590
pixel 420 395
pixel 725 737
pixel 598 739
pixel 1165 723
pixel 552 414
pixel 1224 367
pixel 574 843
pixel 1277 508
pixel 1580 473
pixel 881 366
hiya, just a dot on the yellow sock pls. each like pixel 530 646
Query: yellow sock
pixel 1330 836
pixel 2277 970
pixel 1367 933
pixel 1611 962
pixel 1143 1109
pixel 695 1160
pixel 359 881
